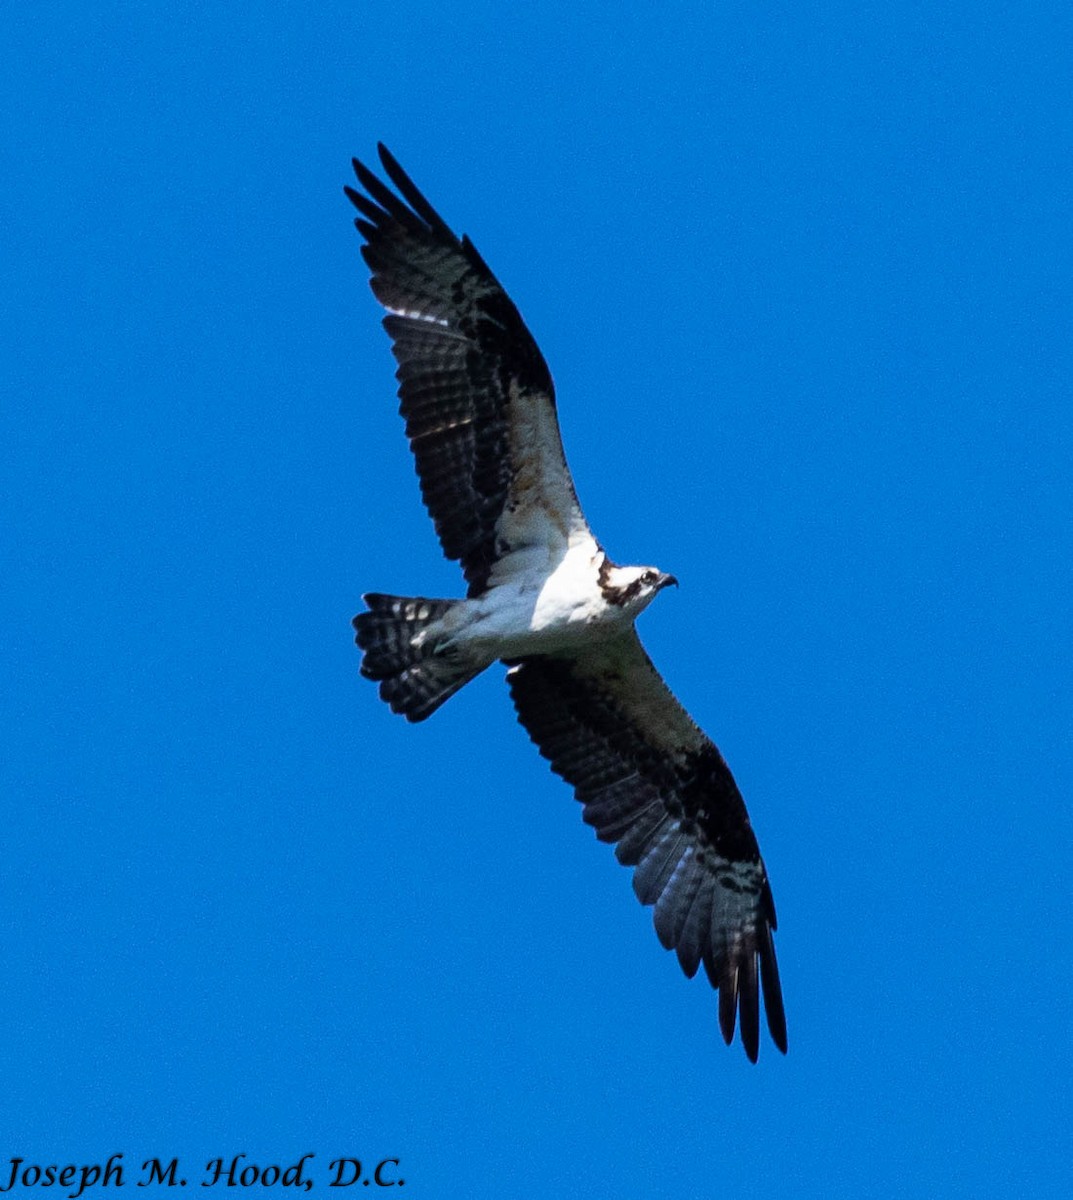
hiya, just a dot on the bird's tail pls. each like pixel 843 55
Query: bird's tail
pixel 415 671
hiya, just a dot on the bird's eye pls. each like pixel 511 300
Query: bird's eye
pixel 648 577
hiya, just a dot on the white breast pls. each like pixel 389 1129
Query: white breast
pixel 537 607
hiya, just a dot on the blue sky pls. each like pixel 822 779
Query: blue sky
pixel 803 277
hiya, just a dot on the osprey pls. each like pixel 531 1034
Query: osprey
pixel 545 599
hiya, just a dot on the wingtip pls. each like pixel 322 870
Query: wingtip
pixel 749 1008
pixel 359 169
pixel 776 1026
pixel 728 1005
pixel 771 986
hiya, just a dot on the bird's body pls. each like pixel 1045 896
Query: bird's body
pixel 534 610
pixel 545 599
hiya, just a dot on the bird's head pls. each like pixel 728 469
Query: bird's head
pixel 633 587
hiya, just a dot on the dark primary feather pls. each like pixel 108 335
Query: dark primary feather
pixel 464 357
pixel 653 783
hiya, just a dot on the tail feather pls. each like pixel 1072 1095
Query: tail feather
pixel 401 652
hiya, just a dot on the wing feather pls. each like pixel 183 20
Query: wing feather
pixel 474 389
pixel 660 862
pixel 694 934
pixel 673 907
pixel 653 783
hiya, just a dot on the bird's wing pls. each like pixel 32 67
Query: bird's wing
pixel 475 391
pixel 656 785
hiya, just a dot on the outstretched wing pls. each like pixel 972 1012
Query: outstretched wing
pixel 474 388
pixel 653 783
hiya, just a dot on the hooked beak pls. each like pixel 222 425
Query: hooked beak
pixel 667 581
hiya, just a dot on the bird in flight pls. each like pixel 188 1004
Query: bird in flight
pixel 544 598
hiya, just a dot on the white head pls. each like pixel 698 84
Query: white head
pixel 632 588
